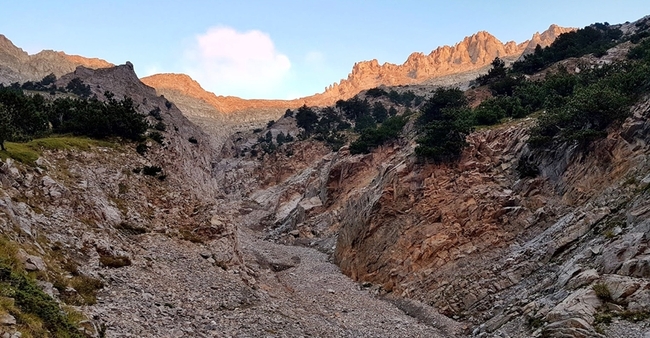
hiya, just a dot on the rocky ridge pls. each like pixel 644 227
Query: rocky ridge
pixel 17 65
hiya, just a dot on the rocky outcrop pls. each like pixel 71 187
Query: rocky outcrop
pixel 191 160
pixel 194 267
pixel 18 66
pixel 469 238
pixel 510 255
pixel 545 38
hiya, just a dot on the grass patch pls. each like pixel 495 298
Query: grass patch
pixel 634 316
pixel 29 152
pixel 603 318
pixel 68 142
pixel 20 152
pixel 86 289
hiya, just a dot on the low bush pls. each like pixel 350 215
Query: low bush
pixel 602 291
pixel 141 149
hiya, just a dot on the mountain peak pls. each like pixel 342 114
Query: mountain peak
pixel 473 52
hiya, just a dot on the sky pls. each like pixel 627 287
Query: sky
pixel 281 49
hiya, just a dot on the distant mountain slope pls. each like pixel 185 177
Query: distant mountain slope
pixel 471 54
pixel 219 116
pixel 16 65
pixel 183 84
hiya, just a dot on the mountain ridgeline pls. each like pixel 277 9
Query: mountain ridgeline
pixel 443 66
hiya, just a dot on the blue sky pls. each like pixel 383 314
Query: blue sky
pixel 283 48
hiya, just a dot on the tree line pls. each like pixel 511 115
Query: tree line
pixel 24 116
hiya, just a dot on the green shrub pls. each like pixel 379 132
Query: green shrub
pixel 77 86
pixel 306 119
pixel 31 304
pixel 156 113
pixel 591 39
pixel 498 71
pixel 445 122
pixel 379 112
pixel 583 118
pixel 372 137
pixel 376 92
pixel 365 122
pixel 634 316
pixel 602 318
pixel 602 291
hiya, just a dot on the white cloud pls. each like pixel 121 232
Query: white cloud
pixel 229 62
